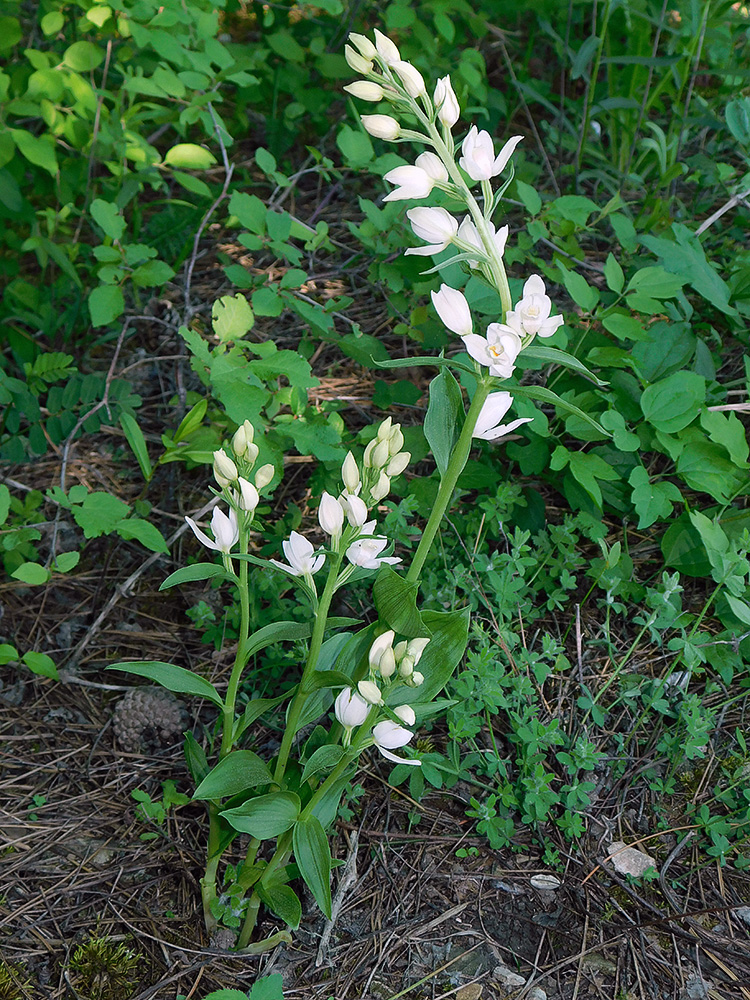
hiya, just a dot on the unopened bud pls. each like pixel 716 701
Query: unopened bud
pixel 357 63
pixel 225 471
pixel 378 647
pixel 398 464
pixel 356 509
pixel 416 647
pixel 243 436
pixel 331 515
pixel 251 454
pixel 411 78
pixel 406 714
pixel 382 126
pixel 350 474
pixel 381 489
pixel 384 431
pixel 386 49
pixel 406 666
pixel 387 665
pixel 395 440
pixel 370 692
pixel 264 475
pixel 400 648
pixel 367 459
pixel 365 90
pixel 350 708
pixel 380 455
pixel 417 679
pixel 364 45
pixel 247 498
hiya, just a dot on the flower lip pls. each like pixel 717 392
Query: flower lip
pixel 388 735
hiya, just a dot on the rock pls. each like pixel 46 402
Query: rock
pixel 537 993
pixel 472 991
pixel 506 977
pixel 743 912
pixel 549 883
pixel 629 860
pixel 695 989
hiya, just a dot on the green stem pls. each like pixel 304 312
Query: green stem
pixel 448 482
pixel 305 689
pixel 240 660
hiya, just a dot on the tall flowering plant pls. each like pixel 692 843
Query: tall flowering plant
pixel 366 688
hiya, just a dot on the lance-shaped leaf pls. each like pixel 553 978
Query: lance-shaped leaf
pixel 545 395
pixel 313 856
pixel 198 571
pixel 265 816
pixel 236 773
pixel 551 355
pixel 282 901
pixel 444 417
pixel 173 678
pixel 418 362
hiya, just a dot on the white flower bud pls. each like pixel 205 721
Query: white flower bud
pixel 453 309
pixel 400 648
pixel 378 647
pixel 247 499
pixel 406 714
pixel 432 165
pixel 410 77
pixel 417 679
pixel 387 665
pixel 243 436
pixel 382 126
pixel 225 471
pixel 264 475
pixel 416 647
pixel 251 453
pixel 384 431
pixel 331 515
pixel 350 708
pixel 398 464
pixel 396 440
pixel 350 474
pixel 380 455
pixel 365 90
pixel 381 489
pixel 367 459
pixel 446 102
pixel 356 509
pixel 363 45
pixel 357 63
pixel 370 692
pixel 406 666
pixel 386 49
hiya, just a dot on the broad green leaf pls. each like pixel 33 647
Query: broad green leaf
pixel 107 216
pixel 587 469
pixel 683 549
pixel 265 816
pixel 649 285
pixel 355 145
pixel 444 418
pixel 173 678
pixel 665 349
pixel 329 679
pixel 188 156
pixel 137 442
pixel 528 195
pixel 237 772
pixel 66 561
pixel 277 632
pixel 674 402
pixel 190 574
pixel 684 256
pixel 154 273
pixel 624 327
pixel 40 663
pixel 652 501
pixel 582 293
pixel 31 573
pixel 83 56
pixel 231 317
pixel 551 355
pixel 250 210
pixel 313 856
pixel 254 709
pixel 705 467
pixel 195 757
pixel 725 429
pixel 106 304
pixel 613 274
pixel 325 758
pixel 142 531
pixel 38 150
pixel 8 654
pixel 739 608
pixel 449 633
pixel 738 119
pixel 282 901
pixel 10 33
pixel 576 208
pixel 396 602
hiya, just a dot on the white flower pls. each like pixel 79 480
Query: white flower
pixel 386 49
pixel 370 692
pixel 434 225
pixel 498 351
pixel 446 102
pixel 467 233
pixel 389 736
pixel 264 475
pixel 350 708
pixel 357 63
pixel 301 556
pixel 225 530
pixel 243 437
pixel 225 471
pixel 365 552
pixel 417 679
pixel 453 310
pixel 382 487
pixel 387 665
pixel 410 77
pixel 350 474
pixel 406 714
pixel 412 182
pixel 416 647
pixel 398 464
pixel 479 160
pixel 331 515
pixel 365 90
pixel 532 313
pixel 379 646
pixel 364 45
pixel 432 165
pixel 356 509
pixel 488 426
pixel 381 126
pixel 247 499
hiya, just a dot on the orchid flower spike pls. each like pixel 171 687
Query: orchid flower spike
pixel 433 225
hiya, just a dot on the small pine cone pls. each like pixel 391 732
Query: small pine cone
pixel 147 719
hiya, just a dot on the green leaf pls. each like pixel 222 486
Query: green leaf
pixel 38 150
pixel 528 195
pixel 107 216
pixel 106 304
pixel 674 402
pixel 188 156
pixel 396 603
pixel 142 531
pixel 66 561
pixel 449 633
pixel 740 609
pixel 267 988
pixel 31 573
pixel 652 501
pixel 705 467
pixel 725 429
pixel 237 772
pixel 551 355
pixel 10 33
pixel 154 273
pixel 325 758
pixel 4 503
pixel 40 663
pixel 649 285
pixel 444 418
pixel 282 901
pixel 433 362
pixel 231 317
pixel 582 293
pixel 685 257
pixel 573 207
pixel 587 469
pixel 738 119
pixel 250 210
pixel 265 816
pixel 624 327
pixel 313 856
pixel 195 758
pixel 545 395
pixel 613 274
pixel 8 654
pixel 172 677
pixel 137 442
pixel 190 574
pixel 83 56
pixel 355 146
pixel 254 709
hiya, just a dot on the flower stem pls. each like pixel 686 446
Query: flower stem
pixel 448 482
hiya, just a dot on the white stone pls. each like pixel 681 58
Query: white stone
pixel 629 860
pixel 548 882
pixel 506 977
